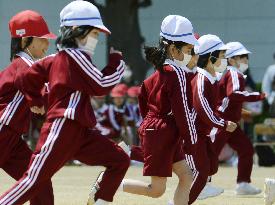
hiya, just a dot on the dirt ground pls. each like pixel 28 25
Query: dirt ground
pixel 72 184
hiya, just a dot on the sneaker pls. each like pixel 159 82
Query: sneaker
pixel 170 202
pixel 125 147
pixel 269 191
pixel 210 191
pixel 94 189
pixel 245 188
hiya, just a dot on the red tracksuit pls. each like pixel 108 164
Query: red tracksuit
pixel 66 133
pixel 204 159
pixel 231 97
pixel 136 151
pixel 15 119
pixel 167 121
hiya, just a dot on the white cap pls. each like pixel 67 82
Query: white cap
pixel 208 44
pixel 178 28
pixel 82 13
pixel 235 49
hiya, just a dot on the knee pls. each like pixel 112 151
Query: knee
pixel 184 175
pixel 157 192
pixel 124 160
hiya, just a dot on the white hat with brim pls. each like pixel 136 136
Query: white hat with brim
pixel 208 44
pixel 82 13
pixel 235 49
pixel 178 28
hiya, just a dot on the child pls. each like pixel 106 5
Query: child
pixel 231 98
pixel 165 109
pixel 29 42
pixel 117 116
pixel 67 134
pixel 211 51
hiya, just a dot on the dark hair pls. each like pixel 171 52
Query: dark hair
pixel 241 56
pixel 157 55
pixel 66 38
pixel 203 59
pixel 16 46
pixel 244 56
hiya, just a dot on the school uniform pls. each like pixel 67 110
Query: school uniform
pixel 15 117
pixel 231 97
pixel 203 160
pixel 115 119
pixel 66 133
pixel 167 121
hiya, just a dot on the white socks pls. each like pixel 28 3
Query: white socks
pixel 120 188
pixel 101 202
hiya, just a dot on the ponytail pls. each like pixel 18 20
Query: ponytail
pixel 158 55
pixel 68 35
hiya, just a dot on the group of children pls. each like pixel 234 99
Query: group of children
pixel 188 109
pixel 118 115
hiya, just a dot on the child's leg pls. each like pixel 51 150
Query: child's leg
pixel 155 189
pixel 182 170
pixel 17 165
pixel 57 143
pixel 97 150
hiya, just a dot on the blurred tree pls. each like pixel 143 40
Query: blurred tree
pixel 121 17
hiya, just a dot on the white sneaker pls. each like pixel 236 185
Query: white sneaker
pixel 125 147
pixel 170 202
pixel 95 188
pixel 269 191
pixel 210 191
pixel 245 188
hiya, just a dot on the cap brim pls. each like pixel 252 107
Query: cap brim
pixel 103 29
pixel 117 95
pixel 223 47
pixel 49 36
pixel 190 39
pixel 242 52
pixel 238 53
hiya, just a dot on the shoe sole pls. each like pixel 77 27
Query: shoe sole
pixel 215 195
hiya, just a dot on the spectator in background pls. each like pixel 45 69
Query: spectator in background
pixel 268 87
pixel 132 103
pixel 117 116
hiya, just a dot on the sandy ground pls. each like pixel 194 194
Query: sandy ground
pixel 72 184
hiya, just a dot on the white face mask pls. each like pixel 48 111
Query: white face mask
pixel 222 66
pixel 185 61
pixel 90 45
pixel 243 67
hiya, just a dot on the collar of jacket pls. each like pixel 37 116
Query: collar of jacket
pixel 236 69
pixel 171 62
pixel 204 72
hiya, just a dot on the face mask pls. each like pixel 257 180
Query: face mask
pixel 185 61
pixel 90 45
pixel 222 66
pixel 243 67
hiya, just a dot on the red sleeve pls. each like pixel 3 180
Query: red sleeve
pixel 98 82
pixel 177 85
pixel 142 101
pixel 235 89
pixel 32 81
pixel 201 96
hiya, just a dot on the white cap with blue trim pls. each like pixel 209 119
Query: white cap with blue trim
pixel 82 13
pixel 178 28
pixel 208 44
pixel 235 49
